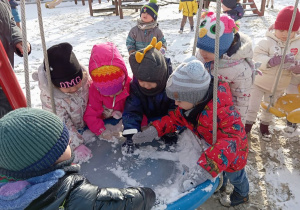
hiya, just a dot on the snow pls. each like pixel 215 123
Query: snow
pixel 273 167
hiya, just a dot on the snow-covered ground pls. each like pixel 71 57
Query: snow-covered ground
pixel 273 167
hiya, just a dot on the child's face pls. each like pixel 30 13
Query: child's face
pixel 71 89
pixel 207 56
pixel 145 17
pixel 184 105
pixel 147 85
pixel 283 34
pixel 65 156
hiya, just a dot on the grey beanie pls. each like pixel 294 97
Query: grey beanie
pixel 189 82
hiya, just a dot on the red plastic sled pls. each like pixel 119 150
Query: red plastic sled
pixel 9 82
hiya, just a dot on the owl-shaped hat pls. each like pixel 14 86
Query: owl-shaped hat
pixel 207 33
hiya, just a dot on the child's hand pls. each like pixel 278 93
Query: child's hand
pixel 179 11
pixel 295 68
pixel 106 135
pixel 116 114
pixel 194 13
pixel 192 177
pixel 82 154
pixel 146 136
pixel 276 59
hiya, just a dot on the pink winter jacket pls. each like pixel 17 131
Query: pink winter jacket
pixel 99 106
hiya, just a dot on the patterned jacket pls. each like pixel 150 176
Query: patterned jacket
pixel 70 107
pixel 138 104
pixel 230 151
pixel 189 7
pixel 138 39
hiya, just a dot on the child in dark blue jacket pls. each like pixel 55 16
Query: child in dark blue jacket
pixel 147 100
pixel 233 9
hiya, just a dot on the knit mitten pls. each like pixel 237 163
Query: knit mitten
pixel 147 135
pixel 276 59
pixel 295 68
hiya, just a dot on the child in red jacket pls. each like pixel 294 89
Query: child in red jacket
pixel 191 87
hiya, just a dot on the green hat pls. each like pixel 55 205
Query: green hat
pixel 31 140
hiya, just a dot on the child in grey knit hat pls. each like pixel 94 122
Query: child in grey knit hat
pixel 191 86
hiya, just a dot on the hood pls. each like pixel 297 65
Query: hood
pixel 41 77
pixel 245 51
pixel 106 54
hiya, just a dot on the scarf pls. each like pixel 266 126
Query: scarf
pixel 143 26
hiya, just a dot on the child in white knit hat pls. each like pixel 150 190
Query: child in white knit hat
pixel 191 87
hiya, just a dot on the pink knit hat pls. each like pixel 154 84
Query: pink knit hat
pixel 284 18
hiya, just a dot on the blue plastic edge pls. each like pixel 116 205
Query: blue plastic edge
pixel 195 198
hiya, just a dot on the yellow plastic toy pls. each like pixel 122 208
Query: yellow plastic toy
pixel 286 106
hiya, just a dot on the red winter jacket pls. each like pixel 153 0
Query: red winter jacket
pixel 230 151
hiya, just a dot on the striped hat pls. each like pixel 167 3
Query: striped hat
pixel 31 140
pixel 189 82
pixel 109 80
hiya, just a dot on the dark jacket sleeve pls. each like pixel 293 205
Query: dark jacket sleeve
pixel 75 192
pixel 133 111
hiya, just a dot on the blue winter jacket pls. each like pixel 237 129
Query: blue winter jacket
pixel 236 13
pixel 138 104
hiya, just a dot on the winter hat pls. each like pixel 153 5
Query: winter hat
pixel 189 82
pixel 207 35
pixel 107 68
pixel 284 19
pixel 151 9
pixel 31 140
pixel 65 69
pixel 229 3
pixel 109 80
pixel 152 68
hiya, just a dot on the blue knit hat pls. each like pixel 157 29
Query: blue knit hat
pixel 31 140
pixel 151 9
pixel 207 34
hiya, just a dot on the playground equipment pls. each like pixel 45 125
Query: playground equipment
pixel 9 82
pixel 286 106
pixel 54 3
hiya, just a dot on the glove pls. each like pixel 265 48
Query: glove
pixel 194 13
pixel 146 136
pixel 106 134
pixel 128 145
pixel 82 154
pixel 276 59
pixel 192 177
pixel 179 11
pixel 295 68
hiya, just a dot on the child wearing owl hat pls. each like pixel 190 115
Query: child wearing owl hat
pixel 70 84
pixel 191 86
pixel 109 90
pixel 235 62
pixel 147 99
pixel 36 170
pixel 141 35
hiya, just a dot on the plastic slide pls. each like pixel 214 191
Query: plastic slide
pixel 52 4
pixel 286 106
pixel 9 82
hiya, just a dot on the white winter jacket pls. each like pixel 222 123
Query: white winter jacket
pixel 70 107
pixel 264 51
pixel 237 70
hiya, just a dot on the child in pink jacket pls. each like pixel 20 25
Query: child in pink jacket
pixel 109 89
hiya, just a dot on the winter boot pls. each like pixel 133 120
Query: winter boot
pixel 264 130
pixel 180 31
pixel 236 198
pixel 192 28
pixel 248 127
pixel 290 127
